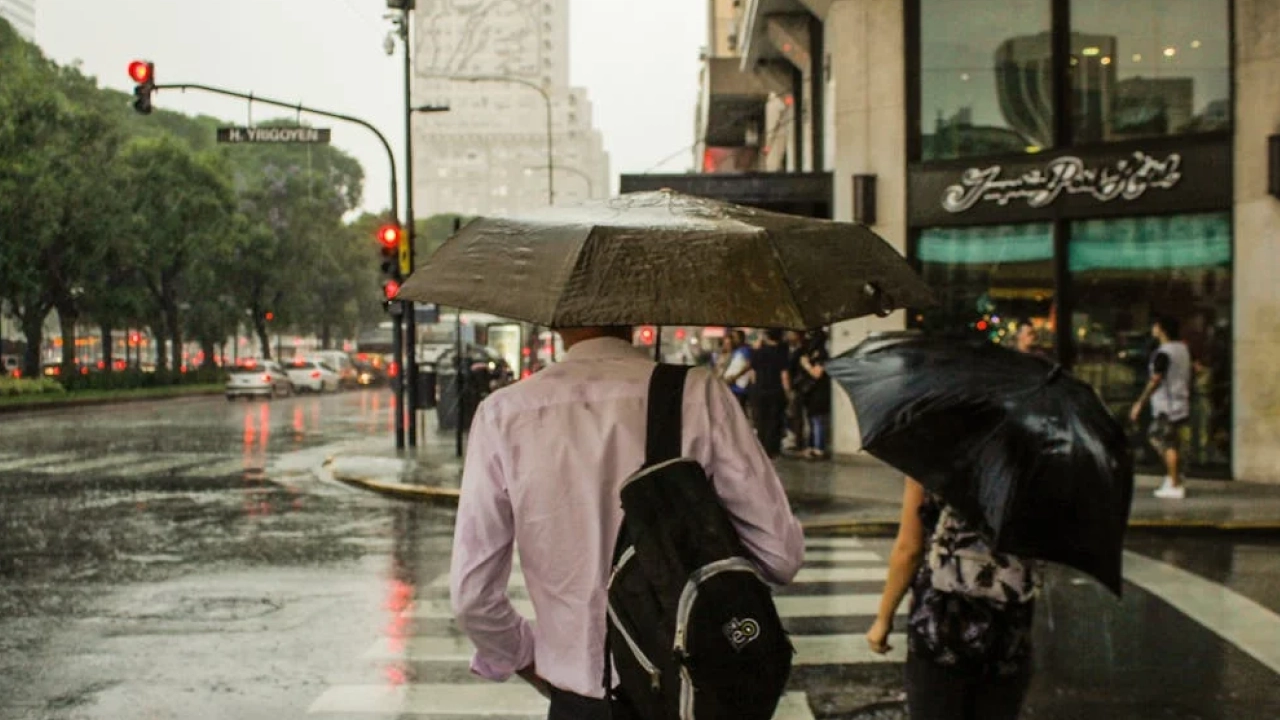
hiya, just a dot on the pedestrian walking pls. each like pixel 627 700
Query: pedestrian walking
pixel 817 401
pixel 969 625
pixel 545 463
pixel 1168 390
pixel 801 381
pixel 738 372
pixel 771 382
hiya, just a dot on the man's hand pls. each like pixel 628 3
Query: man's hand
pixel 531 676
pixel 878 637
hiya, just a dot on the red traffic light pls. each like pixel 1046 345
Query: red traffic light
pixel 389 236
pixel 140 71
pixel 391 288
pixel 646 335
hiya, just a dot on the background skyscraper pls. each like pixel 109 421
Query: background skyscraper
pixel 488 154
pixel 21 14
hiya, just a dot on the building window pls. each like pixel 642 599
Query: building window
pixel 986 77
pixel 1127 272
pixel 987 279
pixel 1144 68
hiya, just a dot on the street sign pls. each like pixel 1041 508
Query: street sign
pixel 273 135
pixel 405 258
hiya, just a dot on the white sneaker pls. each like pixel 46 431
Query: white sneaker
pixel 1167 491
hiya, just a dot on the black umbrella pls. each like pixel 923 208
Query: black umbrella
pixel 1023 450
pixel 665 258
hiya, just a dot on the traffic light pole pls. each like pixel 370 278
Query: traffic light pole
pixel 397 345
pixel 411 330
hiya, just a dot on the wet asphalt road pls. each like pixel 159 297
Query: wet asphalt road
pixel 180 560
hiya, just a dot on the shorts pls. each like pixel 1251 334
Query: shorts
pixel 1165 434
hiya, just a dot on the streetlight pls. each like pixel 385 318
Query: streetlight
pixel 546 99
pixel 591 192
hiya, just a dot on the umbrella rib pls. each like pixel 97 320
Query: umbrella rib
pixel 791 292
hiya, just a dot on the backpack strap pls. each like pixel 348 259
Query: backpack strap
pixel 666 411
pixel 662 442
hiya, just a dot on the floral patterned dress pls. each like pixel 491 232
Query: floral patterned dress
pixel 955 630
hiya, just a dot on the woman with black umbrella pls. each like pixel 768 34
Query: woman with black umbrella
pixel 969 626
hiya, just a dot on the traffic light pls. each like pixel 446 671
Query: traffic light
pixel 144 74
pixel 390 236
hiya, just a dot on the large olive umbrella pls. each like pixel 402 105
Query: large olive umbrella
pixel 665 258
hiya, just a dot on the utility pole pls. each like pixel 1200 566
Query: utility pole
pixel 411 328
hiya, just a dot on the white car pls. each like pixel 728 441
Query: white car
pixel 266 379
pixel 313 376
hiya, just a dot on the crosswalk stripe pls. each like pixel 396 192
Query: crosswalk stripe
pixel 32 461
pixel 841 555
pixel 846 649
pixel 512 699
pixel 91 465
pixel 789 606
pixel 833 542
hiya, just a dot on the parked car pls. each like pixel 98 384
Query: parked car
pixel 313 376
pixel 265 379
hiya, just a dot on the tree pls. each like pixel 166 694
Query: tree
pixel 31 112
pixel 181 204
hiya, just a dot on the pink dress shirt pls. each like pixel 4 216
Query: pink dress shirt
pixel 545 460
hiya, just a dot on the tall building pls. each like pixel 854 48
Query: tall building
pixel 489 154
pixel 21 14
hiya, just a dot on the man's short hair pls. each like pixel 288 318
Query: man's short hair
pixel 1170 326
pixel 774 334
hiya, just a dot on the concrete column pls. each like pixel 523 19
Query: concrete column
pixel 1256 385
pixel 867 104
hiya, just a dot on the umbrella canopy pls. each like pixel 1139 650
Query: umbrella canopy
pixel 667 259
pixel 1020 448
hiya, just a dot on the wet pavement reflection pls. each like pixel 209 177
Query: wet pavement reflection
pixel 179 560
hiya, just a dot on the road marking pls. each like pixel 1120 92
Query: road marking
pixel 512 699
pixel 1233 617
pixel 839 555
pixel 31 461
pixel 833 542
pixel 91 465
pixel 789 606
pixel 843 649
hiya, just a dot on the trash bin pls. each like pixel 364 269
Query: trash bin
pixel 449 396
pixel 426 387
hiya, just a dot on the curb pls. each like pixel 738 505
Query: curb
pixel 401 491
pixel 839 526
pixel 72 404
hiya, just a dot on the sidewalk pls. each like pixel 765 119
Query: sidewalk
pixel 857 495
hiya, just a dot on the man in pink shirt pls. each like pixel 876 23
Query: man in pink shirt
pixel 545 461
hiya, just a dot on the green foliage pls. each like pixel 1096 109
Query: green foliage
pixel 11 387
pixel 131 379
pixel 129 221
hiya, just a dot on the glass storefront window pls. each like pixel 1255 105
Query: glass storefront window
pixel 1127 272
pixel 986 79
pixel 1143 68
pixel 987 280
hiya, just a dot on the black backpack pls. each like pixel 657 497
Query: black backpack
pixel 692 627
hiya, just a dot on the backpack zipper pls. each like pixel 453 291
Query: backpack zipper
pixel 655 677
pixel 685 606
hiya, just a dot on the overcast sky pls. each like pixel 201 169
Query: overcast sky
pixel 638 60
